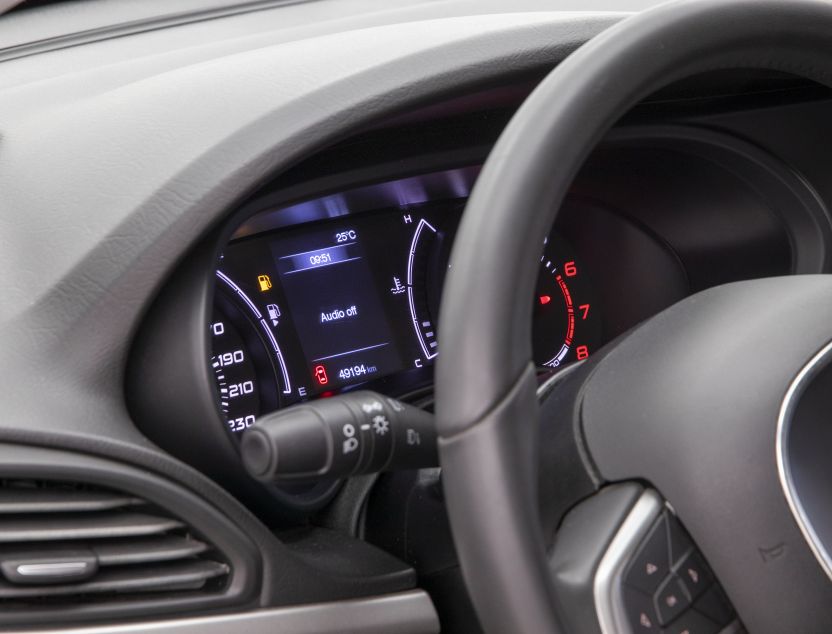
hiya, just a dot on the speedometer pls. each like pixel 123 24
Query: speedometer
pixel 243 358
pixel 235 374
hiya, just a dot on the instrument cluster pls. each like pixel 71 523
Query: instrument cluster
pixel 351 299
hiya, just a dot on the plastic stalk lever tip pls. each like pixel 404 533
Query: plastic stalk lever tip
pixel 351 434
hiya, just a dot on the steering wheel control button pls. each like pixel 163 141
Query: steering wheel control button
pixel 691 622
pixel 671 599
pixel 694 573
pixel 664 579
pixel 715 605
pixel 680 541
pixel 651 565
pixel 640 611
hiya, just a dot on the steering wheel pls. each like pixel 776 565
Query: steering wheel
pixel 705 404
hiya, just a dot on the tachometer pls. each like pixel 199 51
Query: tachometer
pixel 566 324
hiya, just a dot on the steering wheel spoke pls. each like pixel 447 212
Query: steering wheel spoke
pixel 638 569
pixel 620 555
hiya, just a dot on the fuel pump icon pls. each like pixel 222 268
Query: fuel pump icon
pixel 265 282
pixel 274 313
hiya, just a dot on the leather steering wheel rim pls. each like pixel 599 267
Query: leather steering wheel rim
pixel 485 388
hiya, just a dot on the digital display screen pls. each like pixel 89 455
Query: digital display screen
pixel 338 303
pixel 341 323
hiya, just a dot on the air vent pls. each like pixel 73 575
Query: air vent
pixel 71 544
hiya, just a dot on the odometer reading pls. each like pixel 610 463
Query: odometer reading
pixel 355 371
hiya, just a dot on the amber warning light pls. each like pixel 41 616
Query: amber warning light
pixel 265 282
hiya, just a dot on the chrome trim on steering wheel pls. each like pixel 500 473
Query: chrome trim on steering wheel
pixel 784 470
pixel 609 603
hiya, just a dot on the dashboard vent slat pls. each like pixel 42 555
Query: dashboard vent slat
pixel 189 575
pixel 66 545
pixel 163 548
pixel 43 527
pixel 41 500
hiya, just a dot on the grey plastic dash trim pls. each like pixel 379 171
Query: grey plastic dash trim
pixel 784 469
pixel 403 613
pixel 607 586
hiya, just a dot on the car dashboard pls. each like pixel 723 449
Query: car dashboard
pixel 217 219
pixel 329 279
